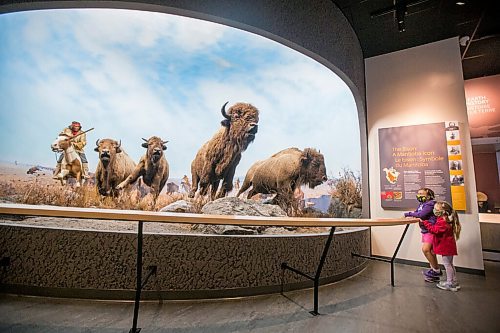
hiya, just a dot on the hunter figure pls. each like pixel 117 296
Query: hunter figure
pixel 79 142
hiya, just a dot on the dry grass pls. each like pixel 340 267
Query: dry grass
pixel 347 188
pixel 37 193
pixel 7 189
pixel 198 203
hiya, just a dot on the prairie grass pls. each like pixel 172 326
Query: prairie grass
pixel 38 193
pixel 346 188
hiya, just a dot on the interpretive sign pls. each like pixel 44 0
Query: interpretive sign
pixel 412 157
pixel 456 164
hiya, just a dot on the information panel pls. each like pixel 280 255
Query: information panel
pixel 456 164
pixel 412 157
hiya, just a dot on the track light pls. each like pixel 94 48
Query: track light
pixel 400 11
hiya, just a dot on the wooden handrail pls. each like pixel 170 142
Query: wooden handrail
pixel 166 217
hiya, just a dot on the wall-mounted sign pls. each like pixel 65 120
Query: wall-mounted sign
pixel 412 157
pixel 456 164
pixel 483 106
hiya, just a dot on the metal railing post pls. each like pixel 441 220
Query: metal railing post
pixel 318 272
pixel 134 328
pixel 391 260
pixel 396 253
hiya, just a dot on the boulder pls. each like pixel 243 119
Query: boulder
pixel 181 206
pixel 338 209
pixel 236 206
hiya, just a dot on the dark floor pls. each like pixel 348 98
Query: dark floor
pixel 363 303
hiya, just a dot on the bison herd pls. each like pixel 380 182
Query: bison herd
pixel 214 165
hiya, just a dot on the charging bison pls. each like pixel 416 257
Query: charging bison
pixel 153 167
pixel 283 172
pixel 217 158
pixel 113 167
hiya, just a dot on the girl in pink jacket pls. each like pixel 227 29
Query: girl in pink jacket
pixel 446 231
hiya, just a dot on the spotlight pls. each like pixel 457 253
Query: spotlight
pixel 464 40
pixel 400 10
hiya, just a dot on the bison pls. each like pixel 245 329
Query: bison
pixel 153 167
pixel 33 170
pixel 113 167
pixel 283 173
pixel 217 158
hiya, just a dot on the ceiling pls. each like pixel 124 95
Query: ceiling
pixel 426 21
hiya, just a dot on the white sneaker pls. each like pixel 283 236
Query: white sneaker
pixel 448 286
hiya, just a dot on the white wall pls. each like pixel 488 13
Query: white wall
pixel 420 85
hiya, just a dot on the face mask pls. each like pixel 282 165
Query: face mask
pixel 437 212
pixel 421 198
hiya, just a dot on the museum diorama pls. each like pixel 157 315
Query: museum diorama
pixel 185 152
pixel 149 142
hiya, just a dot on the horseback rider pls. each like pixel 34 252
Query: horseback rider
pixel 79 142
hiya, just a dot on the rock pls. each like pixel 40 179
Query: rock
pixel 313 212
pixel 338 209
pixel 236 206
pixel 226 229
pixel 181 206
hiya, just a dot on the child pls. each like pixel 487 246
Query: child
pixel 425 212
pixel 446 231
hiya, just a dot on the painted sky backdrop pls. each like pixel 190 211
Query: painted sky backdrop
pixel 133 74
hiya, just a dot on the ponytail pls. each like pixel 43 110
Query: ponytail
pixel 455 223
pixel 452 218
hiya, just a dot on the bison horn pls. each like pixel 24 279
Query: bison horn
pixel 164 142
pixel 97 142
pixel 144 139
pixel 119 144
pixel 223 111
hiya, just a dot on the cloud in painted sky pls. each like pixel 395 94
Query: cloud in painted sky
pixel 133 74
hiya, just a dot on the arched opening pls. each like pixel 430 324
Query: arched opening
pixel 299 114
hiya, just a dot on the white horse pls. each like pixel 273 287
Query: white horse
pixel 71 165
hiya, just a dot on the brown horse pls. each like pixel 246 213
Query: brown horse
pixel 71 165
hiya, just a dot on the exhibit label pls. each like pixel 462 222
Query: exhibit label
pixel 412 157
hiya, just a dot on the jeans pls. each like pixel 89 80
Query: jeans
pixel 82 157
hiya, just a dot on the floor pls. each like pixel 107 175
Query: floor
pixel 363 303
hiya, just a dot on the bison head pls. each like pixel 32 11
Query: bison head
pixel 107 149
pixel 241 120
pixel 155 147
pixel 313 168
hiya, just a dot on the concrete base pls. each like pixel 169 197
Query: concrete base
pixel 102 265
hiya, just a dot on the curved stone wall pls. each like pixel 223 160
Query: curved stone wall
pixel 95 264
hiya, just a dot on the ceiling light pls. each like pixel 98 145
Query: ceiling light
pixel 400 11
pixel 463 40
pixel 460 3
